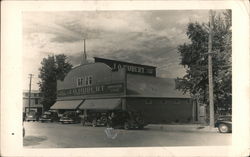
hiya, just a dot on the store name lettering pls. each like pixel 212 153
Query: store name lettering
pixel 98 89
pixel 130 68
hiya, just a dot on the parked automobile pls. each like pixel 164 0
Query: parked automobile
pixel 49 116
pixel 94 119
pixel 126 120
pixel 70 117
pixel 224 124
pixel 31 116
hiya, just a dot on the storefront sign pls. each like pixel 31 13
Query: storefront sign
pixel 130 67
pixel 96 89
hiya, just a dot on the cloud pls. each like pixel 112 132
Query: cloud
pixel 144 37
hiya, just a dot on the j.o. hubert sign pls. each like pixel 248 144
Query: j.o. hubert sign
pixel 130 67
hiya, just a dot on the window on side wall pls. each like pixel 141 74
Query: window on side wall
pixel 79 81
pixel 88 80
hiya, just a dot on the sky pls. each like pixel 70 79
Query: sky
pixel 143 37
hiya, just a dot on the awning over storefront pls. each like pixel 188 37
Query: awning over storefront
pixel 101 104
pixel 68 104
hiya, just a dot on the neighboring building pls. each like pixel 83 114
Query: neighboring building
pixel 35 101
pixel 106 85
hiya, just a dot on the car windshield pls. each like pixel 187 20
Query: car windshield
pixel 32 113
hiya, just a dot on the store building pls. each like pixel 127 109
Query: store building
pixel 35 101
pixel 114 85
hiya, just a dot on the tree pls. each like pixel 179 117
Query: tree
pixel 194 58
pixel 53 68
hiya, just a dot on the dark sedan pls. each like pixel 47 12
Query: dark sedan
pixel 70 117
pixel 32 116
pixel 95 119
pixel 224 124
pixel 49 117
pixel 126 120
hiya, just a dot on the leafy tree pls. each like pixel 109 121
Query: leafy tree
pixel 53 68
pixel 194 58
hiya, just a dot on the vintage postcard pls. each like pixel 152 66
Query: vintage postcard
pixel 125 78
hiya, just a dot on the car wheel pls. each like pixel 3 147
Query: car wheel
pixel 94 123
pixel 104 120
pixel 139 120
pixel 223 128
pixel 126 125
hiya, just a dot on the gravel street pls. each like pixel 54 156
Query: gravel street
pixel 56 135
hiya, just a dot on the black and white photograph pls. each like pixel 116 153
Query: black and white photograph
pixel 128 78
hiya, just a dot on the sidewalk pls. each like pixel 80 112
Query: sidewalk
pixel 181 127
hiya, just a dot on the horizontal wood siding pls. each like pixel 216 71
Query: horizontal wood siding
pixel 163 110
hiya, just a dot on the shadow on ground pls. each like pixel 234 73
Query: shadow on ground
pixel 33 140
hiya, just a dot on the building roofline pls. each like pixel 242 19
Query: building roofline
pixel 125 62
pixel 78 66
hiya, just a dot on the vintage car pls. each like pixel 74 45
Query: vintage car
pixel 224 124
pixel 49 116
pixel 70 117
pixel 126 120
pixel 31 116
pixel 94 119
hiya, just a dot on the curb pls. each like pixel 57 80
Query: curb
pixel 181 128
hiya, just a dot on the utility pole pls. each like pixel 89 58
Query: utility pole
pixel 210 70
pixel 31 75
